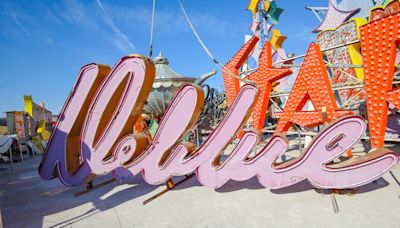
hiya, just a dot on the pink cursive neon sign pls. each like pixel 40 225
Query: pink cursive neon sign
pixel 92 137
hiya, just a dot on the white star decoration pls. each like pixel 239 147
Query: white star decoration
pixel 334 17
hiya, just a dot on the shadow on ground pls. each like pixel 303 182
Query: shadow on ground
pixel 23 193
pixel 306 186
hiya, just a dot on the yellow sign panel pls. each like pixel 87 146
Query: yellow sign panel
pixel 28 105
pixel 253 6
pixel 277 39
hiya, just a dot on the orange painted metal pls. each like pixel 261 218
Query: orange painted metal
pixel 263 78
pixel 232 84
pixel 379 40
pixel 312 83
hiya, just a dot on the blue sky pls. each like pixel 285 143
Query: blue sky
pixel 43 44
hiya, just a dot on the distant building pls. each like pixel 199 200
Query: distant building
pixel 37 111
pixel 18 123
pixel 54 118
pixel 3 126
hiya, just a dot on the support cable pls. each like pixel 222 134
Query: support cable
pixel 152 28
pixel 210 55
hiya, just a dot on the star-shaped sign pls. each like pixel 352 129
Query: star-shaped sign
pixel 334 17
pixel 263 77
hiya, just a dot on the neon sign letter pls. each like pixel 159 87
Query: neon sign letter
pixel 104 125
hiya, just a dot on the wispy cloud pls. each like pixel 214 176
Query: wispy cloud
pixel 49 13
pixel 74 12
pixel 49 40
pixel 15 17
pixel 306 33
pixel 122 41
pixel 167 20
pixel 170 20
pixel 22 26
pixel 85 16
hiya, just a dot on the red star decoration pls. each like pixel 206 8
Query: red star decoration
pixel 263 78
pixel 232 85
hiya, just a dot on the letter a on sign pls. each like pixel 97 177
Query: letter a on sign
pixel 312 83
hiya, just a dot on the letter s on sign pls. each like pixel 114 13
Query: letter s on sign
pixel 88 130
